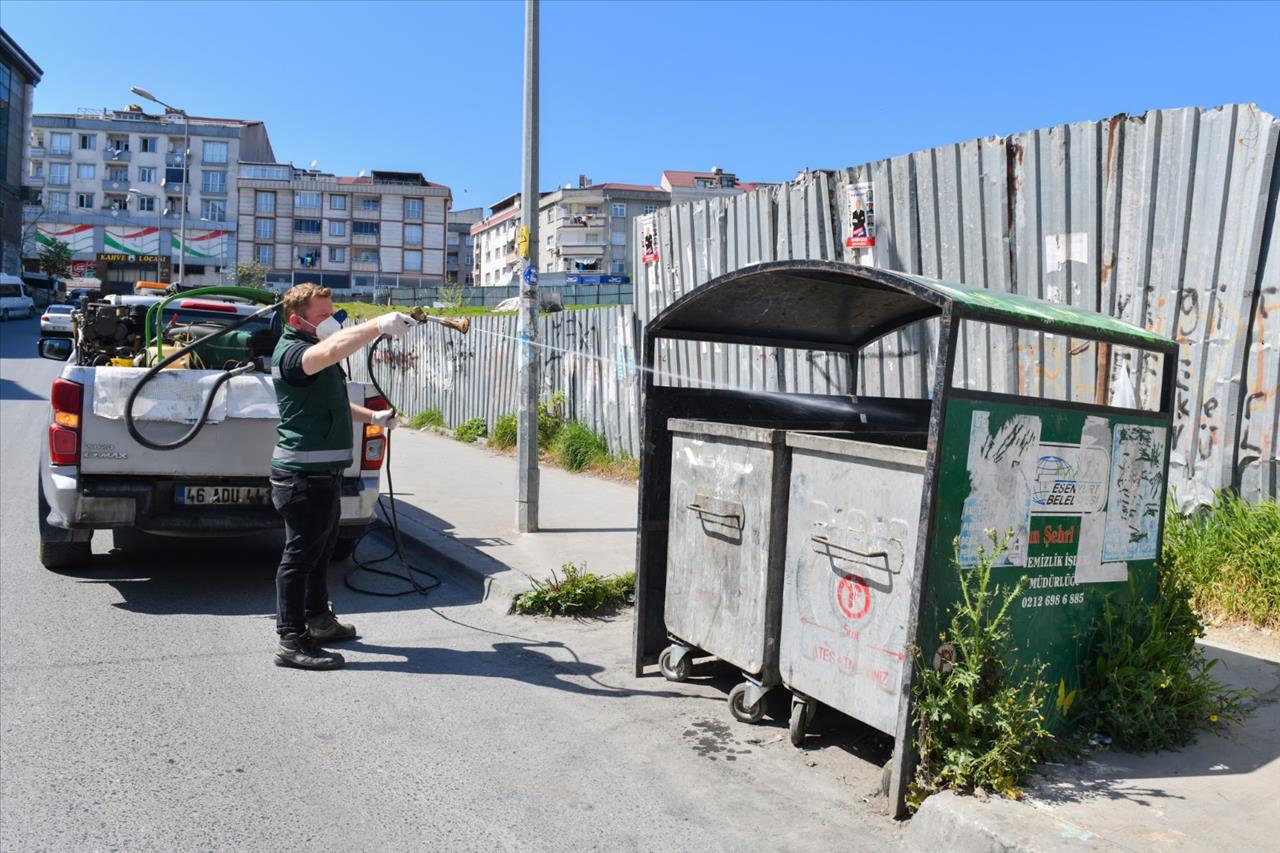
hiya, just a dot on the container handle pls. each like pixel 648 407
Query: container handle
pixel 823 541
pixel 699 507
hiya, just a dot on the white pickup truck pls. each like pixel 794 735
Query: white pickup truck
pixel 95 476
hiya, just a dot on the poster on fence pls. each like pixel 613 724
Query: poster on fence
pixel 860 202
pixel 648 238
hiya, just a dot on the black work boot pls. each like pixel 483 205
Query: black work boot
pixel 298 650
pixel 325 628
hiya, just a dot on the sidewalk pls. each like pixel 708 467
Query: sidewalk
pixel 459 500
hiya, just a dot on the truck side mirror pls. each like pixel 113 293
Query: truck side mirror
pixel 58 349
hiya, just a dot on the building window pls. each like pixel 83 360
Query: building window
pixel 618 238
pixel 84 201
pixel 264 255
pixel 146 174
pixel 88 142
pixel 214 152
pixel 413 235
pixel 618 267
pixel 303 199
pixel 59 174
pixel 367 229
pixel 264 229
pixel 174 176
pixel 306 226
pixel 118 173
pixel 213 182
pixel 147 204
pixel 57 202
pixel 471 241
pixel 173 204
pixel 262 172
pixel 455 239
pixel 213 209
pixel 60 143
pixel 468 260
pixel 338 254
pixel 593 210
pixel 413 261
pixel 592 239
pixel 86 171
pixel 148 144
pixel 367 256
pixel 264 202
pixel 337 229
pixel 551 215
pixel 370 203
pixel 337 202
pixel 413 208
pixel 649 208
pixel 308 258
pixel 619 209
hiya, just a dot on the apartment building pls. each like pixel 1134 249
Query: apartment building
pixel 112 184
pixel 18 78
pixel 586 231
pixel 386 229
pixel 459 256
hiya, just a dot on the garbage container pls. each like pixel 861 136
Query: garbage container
pixel 724 562
pixel 1047 420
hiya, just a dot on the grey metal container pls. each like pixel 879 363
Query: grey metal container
pixel 851 552
pixel 724 560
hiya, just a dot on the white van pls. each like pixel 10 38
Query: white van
pixel 15 302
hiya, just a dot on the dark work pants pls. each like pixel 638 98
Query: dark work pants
pixel 310 504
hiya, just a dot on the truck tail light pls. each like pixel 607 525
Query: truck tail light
pixel 374 446
pixel 67 399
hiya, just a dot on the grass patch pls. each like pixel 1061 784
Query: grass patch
pixel 576 592
pixel 431 418
pixel 1228 555
pixel 978 725
pixel 504 432
pixel 576 447
pixel 471 430
pixel 1151 687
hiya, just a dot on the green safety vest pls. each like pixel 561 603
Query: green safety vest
pixel 315 420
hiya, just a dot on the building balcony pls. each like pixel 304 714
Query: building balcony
pixel 33 180
pixel 116 155
pixel 364 266
pixel 211 191
pixel 364 239
pixel 115 186
pixel 37 150
pixel 582 221
pixel 57 152
pixel 173 159
pixel 580 250
pixel 360 213
pixel 305 237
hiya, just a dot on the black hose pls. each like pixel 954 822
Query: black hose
pixel 213 392
pixel 392 520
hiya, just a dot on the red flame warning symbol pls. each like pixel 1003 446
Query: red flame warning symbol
pixel 853 596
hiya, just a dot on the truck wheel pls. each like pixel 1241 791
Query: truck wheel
pixel 345 547
pixel 57 549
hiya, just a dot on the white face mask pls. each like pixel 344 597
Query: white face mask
pixel 327 327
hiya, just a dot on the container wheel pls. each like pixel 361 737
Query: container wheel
pixel 801 715
pixel 676 672
pixel 739 709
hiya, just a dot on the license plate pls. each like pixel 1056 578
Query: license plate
pixel 222 496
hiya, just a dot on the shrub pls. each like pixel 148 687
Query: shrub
pixel 550 419
pixel 504 432
pixel 577 447
pixel 977 725
pixel 577 593
pixel 1151 686
pixel 471 430
pixel 430 418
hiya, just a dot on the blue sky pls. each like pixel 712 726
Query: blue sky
pixel 629 89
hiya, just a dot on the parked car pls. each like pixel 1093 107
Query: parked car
pixel 56 321
pixel 15 302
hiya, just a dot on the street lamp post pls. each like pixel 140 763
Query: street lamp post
pixel 186 175
pixel 160 212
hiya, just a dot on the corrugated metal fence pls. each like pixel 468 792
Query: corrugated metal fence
pixel 1166 220
pixel 590 355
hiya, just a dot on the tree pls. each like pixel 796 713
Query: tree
pixel 252 274
pixel 55 259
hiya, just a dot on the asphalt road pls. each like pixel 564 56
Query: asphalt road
pixel 140 710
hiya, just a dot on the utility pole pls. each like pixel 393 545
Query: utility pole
pixel 527 406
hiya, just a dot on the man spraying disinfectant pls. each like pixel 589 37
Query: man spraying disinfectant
pixel 313 448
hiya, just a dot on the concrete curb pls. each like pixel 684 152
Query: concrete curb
pixel 500 584
pixel 961 824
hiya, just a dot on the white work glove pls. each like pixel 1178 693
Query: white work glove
pixel 395 325
pixel 385 418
